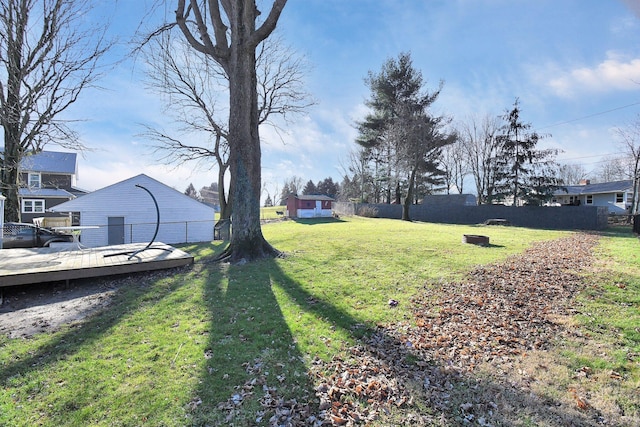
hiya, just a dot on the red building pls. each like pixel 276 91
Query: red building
pixel 309 206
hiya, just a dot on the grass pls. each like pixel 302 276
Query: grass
pixel 172 348
pixel 271 212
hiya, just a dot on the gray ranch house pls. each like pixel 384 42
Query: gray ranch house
pixel 125 213
pixel 616 195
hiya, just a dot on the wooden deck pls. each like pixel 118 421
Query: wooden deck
pixel 26 266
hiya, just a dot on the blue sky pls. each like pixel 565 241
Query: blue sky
pixel 574 65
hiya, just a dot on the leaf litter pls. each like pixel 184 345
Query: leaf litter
pixel 457 362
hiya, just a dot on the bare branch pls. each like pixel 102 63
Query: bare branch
pixel 48 56
pixel 269 24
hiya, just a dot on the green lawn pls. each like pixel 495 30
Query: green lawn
pixel 173 348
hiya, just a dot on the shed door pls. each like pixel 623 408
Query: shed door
pixel 116 230
pixel 318 207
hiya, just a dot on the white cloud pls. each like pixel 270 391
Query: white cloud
pixel 612 74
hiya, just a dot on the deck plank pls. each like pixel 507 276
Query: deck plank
pixel 38 265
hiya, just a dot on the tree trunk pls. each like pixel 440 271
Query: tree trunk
pixel 11 117
pixel 247 241
pixel 11 173
pixel 407 201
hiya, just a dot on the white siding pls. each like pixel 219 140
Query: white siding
pixel 182 218
pixel 312 213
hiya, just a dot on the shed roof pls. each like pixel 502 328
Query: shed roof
pixel 50 162
pixel 600 188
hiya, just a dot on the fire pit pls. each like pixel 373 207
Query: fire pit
pixel 475 239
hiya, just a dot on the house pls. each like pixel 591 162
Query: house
pixel 46 180
pixel 616 196
pixel 125 212
pixel 309 206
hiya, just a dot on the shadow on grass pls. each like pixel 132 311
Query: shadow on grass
pixel 317 221
pixel 23 372
pixel 251 333
pixel 255 367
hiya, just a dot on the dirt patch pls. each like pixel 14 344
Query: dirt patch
pixel 30 309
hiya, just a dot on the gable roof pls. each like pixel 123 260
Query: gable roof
pixel 95 198
pixel 50 162
pixel 601 188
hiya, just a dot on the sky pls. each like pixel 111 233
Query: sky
pixel 574 65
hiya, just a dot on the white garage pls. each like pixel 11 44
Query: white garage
pixel 125 212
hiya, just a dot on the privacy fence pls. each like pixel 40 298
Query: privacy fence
pixel 560 218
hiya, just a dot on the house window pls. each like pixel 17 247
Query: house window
pixel 589 200
pixel 619 197
pixel 32 206
pixel 34 180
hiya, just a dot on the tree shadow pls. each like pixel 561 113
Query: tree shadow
pixel 318 221
pixel 249 336
pixel 248 332
pixel 431 390
pixel 133 291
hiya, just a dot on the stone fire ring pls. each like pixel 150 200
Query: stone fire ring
pixel 475 239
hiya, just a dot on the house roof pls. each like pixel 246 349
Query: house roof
pixel 95 199
pixel 601 188
pixel 50 162
pixel 312 197
pixel 45 192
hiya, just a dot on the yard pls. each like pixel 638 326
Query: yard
pixel 370 321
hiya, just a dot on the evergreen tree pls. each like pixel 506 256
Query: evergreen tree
pixel 284 194
pixel 328 187
pixel 192 192
pixel 525 175
pixel 310 188
pixel 403 140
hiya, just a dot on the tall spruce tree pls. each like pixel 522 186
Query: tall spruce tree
pixel 525 174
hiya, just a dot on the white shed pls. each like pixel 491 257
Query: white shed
pixel 125 212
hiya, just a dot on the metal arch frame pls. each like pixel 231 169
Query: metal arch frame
pixel 132 254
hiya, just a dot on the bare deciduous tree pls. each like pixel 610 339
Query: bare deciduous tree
pixel 49 54
pixel 195 89
pixel 571 174
pixel 630 142
pixel 481 147
pixel 612 168
pixel 228 33
pixel 191 87
pixel 454 164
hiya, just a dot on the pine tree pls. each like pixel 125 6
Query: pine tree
pixel 525 175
